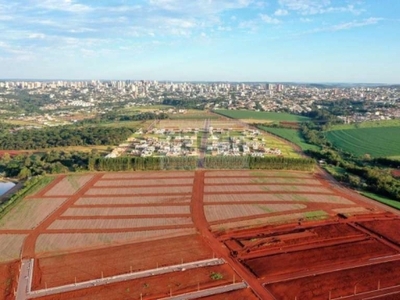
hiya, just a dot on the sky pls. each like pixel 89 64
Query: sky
pixel 355 41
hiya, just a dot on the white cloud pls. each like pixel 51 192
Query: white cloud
pixel 281 12
pixel 353 24
pixel 313 7
pixel 347 25
pixel 305 20
pixel 269 20
pixel 37 36
pixel 63 5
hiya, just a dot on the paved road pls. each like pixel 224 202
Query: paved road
pixel 124 277
pixel 209 292
pixel 25 279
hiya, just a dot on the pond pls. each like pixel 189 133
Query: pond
pixel 5 186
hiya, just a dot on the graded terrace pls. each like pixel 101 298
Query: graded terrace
pixel 204 234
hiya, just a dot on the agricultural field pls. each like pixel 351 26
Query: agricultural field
pixel 367 124
pixel 262 224
pixel 292 135
pixel 257 115
pixel 375 142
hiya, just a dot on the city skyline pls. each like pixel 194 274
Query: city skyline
pixel 174 40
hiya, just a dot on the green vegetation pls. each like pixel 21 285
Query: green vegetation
pixel 367 124
pixel 266 163
pixel 267 116
pixel 291 135
pixel 30 186
pixel 62 136
pixel 51 162
pixel 315 215
pixel 375 142
pixel 335 171
pixel 216 276
pixel 384 200
pixel 142 163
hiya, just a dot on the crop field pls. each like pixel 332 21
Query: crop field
pixel 225 212
pixel 267 180
pixel 292 135
pixel 275 197
pixel 194 114
pixel 10 246
pixel 267 116
pixel 126 211
pixel 376 142
pixel 263 224
pixel 267 188
pixel 74 242
pixel 133 200
pixel 68 185
pixel 30 213
pixel 144 182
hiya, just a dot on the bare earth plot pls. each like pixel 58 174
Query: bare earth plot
pixel 264 224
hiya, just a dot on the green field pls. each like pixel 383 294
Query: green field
pixel 259 115
pixel 377 142
pixel 292 135
pixel 368 124
pixel 384 200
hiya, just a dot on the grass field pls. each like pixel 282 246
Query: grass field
pixel 369 124
pixel 291 135
pixel 376 141
pixel 258 115
pixel 384 200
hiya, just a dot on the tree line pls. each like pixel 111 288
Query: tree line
pixel 50 137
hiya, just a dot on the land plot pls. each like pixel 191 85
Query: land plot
pixel 140 190
pixel 221 212
pixel 270 180
pixel 243 294
pixel 313 235
pixel 277 198
pixel 288 263
pixel 150 174
pixel 28 213
pixel 69 185
pixel 143 182
pixel 351 211
pixel 133 200
pixel 261 115
pixel 119 223
pixel 389 229
pixel 155 287
pixel 259 173
pixel 181 124
pixel 340 283
pixel 8 275
pixel 127 211
pixel 273 220
pixel 62 269
pixel 266 188
pixel 71 242
pixel 10 246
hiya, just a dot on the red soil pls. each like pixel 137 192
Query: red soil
pixel 339 283
pixel 62 269
pixel 396 173
pixel 390 229
pixel 8 279
pixel 243 294
pixel 318 258
pixel 154 287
